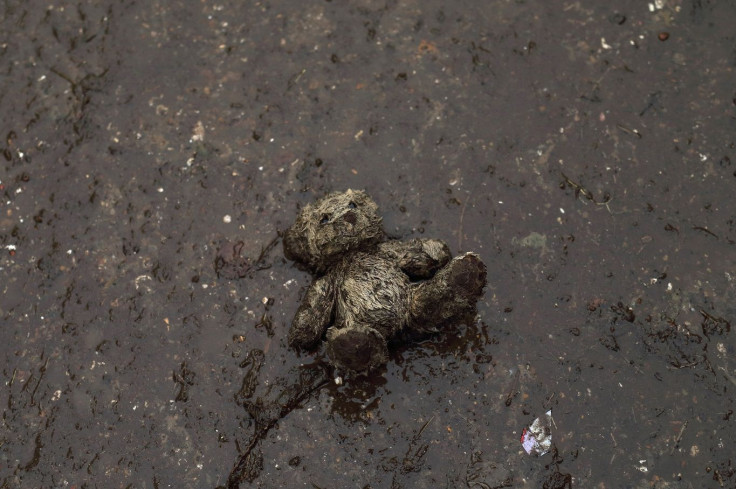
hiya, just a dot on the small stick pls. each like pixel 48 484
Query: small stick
pixel 679 437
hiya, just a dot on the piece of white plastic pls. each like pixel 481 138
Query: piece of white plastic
pixel 537 439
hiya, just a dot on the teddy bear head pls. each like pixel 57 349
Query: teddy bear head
pixel 338 223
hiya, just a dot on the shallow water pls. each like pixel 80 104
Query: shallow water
pixel 583 150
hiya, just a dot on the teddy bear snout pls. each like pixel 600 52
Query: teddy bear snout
pixel 349 217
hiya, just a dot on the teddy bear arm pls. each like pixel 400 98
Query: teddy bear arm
pixel 419 258
pixel 450 297
pixel 314 314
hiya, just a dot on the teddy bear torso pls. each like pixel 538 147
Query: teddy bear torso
pixel 372 291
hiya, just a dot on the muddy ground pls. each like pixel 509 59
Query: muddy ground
pixel 153 151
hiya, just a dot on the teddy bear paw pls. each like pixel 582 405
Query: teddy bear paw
pixel 356 348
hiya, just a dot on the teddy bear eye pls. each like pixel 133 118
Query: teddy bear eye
pixel 325 219
pixel 352 205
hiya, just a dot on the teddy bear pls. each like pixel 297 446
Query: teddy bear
pixel 369 291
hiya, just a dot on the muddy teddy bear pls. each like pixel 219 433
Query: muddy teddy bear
pixel 367 291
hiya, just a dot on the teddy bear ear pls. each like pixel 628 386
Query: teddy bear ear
pixel 362 197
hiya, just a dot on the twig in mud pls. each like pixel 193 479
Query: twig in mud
pixel 678 438
pixel 265 251
pixel 679 365
pixel 513 390
pixel 580 190
pixel 413 459
pixel 627 130
pixel 424 426
pixel 250 462
pixel 40 378
pixel 717 475
pixel 705 230
pixel 728 375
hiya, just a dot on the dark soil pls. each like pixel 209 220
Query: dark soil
pixel 151 152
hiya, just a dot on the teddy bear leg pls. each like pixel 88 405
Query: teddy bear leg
pixel 450 296
pixel 356 348
pixel 314 314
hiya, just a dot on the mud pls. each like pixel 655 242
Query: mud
pixel 584 150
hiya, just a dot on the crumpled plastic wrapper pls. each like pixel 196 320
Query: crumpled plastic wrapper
pixel 537 438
